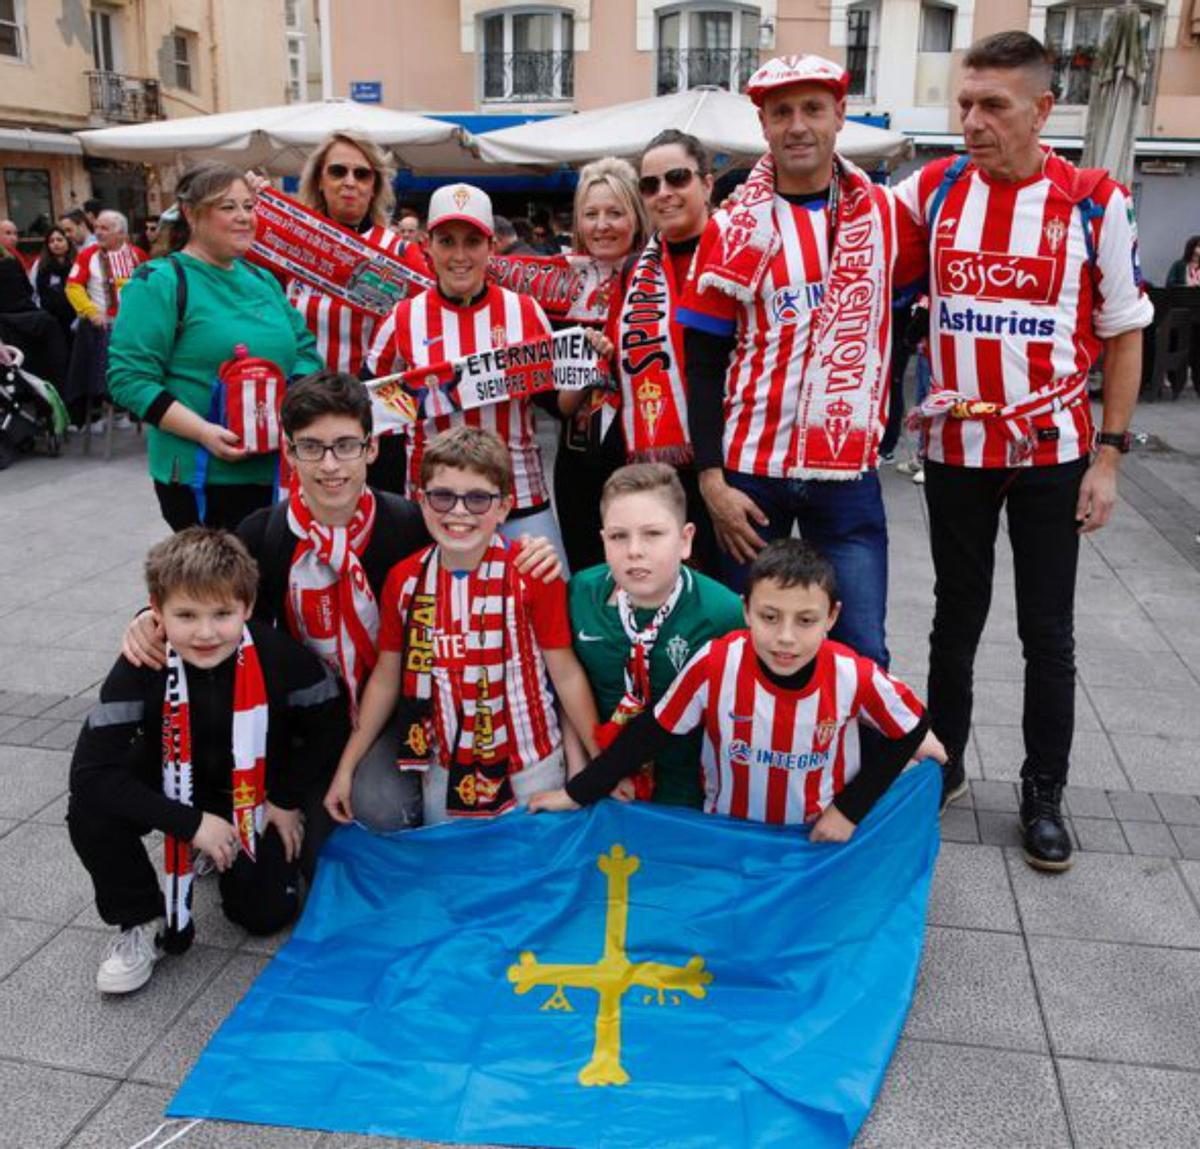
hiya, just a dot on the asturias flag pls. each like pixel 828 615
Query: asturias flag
pixel 628 977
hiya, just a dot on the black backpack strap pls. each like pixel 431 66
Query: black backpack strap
pixel 275 559
pixel 181 293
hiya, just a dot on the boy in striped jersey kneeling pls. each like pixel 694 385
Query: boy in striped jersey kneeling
pixel 780 705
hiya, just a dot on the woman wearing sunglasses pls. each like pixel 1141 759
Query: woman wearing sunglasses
pixel 675 181
pixel 348 180
pixel 610 225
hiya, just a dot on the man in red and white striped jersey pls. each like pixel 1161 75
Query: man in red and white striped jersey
pixel 1033 278
pixel 780 705
pixel 789 342
pixel 466 314
pixel 348 178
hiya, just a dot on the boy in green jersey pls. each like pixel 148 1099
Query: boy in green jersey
pixel 636 620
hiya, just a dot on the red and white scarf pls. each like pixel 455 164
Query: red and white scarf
pixel 849 343
pixel 650 350
pixel 468 720
pixel 249 781
pixel 330 605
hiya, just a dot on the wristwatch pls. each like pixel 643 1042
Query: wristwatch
pixel 1122 440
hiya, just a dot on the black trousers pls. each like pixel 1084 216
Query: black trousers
pixel 228 504
pixel 964 516
pixel 261 896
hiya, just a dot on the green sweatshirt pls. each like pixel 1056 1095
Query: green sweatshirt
pixel 148 366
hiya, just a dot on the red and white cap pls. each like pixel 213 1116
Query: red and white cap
pixel 461 201
pixel 784 71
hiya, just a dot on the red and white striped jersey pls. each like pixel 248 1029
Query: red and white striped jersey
pixel 344 334
pixel 775 755
pixel 763 384
pixel 542 622
pixel 430 329
pixel 1016 306
pixel 89 273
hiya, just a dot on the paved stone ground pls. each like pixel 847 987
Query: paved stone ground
pixel 1052 1011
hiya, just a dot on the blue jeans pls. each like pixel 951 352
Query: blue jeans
pixel 845 520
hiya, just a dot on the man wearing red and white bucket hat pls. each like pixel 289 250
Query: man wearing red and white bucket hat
pixel 789 336
pixel 464 315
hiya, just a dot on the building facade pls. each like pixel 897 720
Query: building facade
pixel 504 57
pixel 67 65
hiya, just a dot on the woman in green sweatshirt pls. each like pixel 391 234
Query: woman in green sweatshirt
pixel 182 317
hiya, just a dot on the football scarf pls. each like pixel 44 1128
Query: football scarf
pixel 650 346
pixel 1017 420
pixel 849 339
pixel 297 241
pixel 568 287
pixel 330 606
pixel 470 728
pixel 637 674
pixel 249 782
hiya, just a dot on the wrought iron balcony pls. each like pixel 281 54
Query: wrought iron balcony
pixel 681 69
pixel 124 99
pixel 527 76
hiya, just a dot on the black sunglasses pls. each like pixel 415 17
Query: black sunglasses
pixel 675 178
pixel 340 171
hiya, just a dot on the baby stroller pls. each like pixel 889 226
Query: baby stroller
pixel 31 411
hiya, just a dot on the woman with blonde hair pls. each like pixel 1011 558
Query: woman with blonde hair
pixel 610 225
pixel 182 317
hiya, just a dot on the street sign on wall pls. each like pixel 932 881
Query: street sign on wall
pixel 366 91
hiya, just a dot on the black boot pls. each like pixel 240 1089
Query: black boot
pixel 954 779
pixel 1046 840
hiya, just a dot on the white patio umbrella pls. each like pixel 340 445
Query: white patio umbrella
pixel 725 122
pixel 1115 99
pixel 279 138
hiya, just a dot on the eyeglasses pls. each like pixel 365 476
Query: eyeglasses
pixel 443 501
pixel 344 450
pixel 340 171
pixel 675 178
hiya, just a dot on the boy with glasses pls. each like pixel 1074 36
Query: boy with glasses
pixel 468 649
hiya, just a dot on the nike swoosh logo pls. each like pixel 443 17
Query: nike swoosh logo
pixel 433 339
pixel 585 637
pixel 740 717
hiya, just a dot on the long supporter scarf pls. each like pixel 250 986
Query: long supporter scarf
pixel 474 740
pixel 249 781
pixel 650 346
pixel 330 606
pixel 849 339
pixel 637 674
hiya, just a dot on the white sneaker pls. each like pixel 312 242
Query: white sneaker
pixel 98 426
pixel 909 466
pixel 919 477
pixel 130 959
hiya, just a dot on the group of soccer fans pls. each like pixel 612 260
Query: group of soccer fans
pixel 356 653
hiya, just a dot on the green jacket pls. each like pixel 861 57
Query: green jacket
pixel 148 365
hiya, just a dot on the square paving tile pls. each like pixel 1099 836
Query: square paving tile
pixel 976 988
pixel 1130 1105
pixel 1104 668
pixel 1119 1002
pixel 1093 763
pixel 135 1111
pixel 18 939
pixel 1160 762
pixel 30 778
pixel 1000 703
pixel 1151 839
pixel 28 666
pixel 958 824
pixel 1187 838
pixel 41 1105
pixel 1100 835
pixel 169 1061
pixel 971 889
pixel 956 1097
pixel 56 1016
pixel 1107 897
pixel 1129 710
pixel 40 876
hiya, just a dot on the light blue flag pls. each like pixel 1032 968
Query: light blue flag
pixel 629 977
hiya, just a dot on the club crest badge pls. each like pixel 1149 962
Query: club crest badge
pixel 838 418
pixel 462 196
pixel 1055 232
pixel 678 651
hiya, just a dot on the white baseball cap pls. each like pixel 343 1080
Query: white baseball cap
pixel 461 201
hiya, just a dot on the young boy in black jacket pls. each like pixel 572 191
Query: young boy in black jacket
pixel 216 749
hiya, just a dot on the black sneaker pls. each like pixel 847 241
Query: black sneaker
pixel 1045 838
pixel 954 780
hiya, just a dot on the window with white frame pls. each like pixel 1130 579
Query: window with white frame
pixel 528 55
pixel 183 50
pixel 1074 33
pixel 862 39
pixel 711 46
pixel 937 28
pixel 12 29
